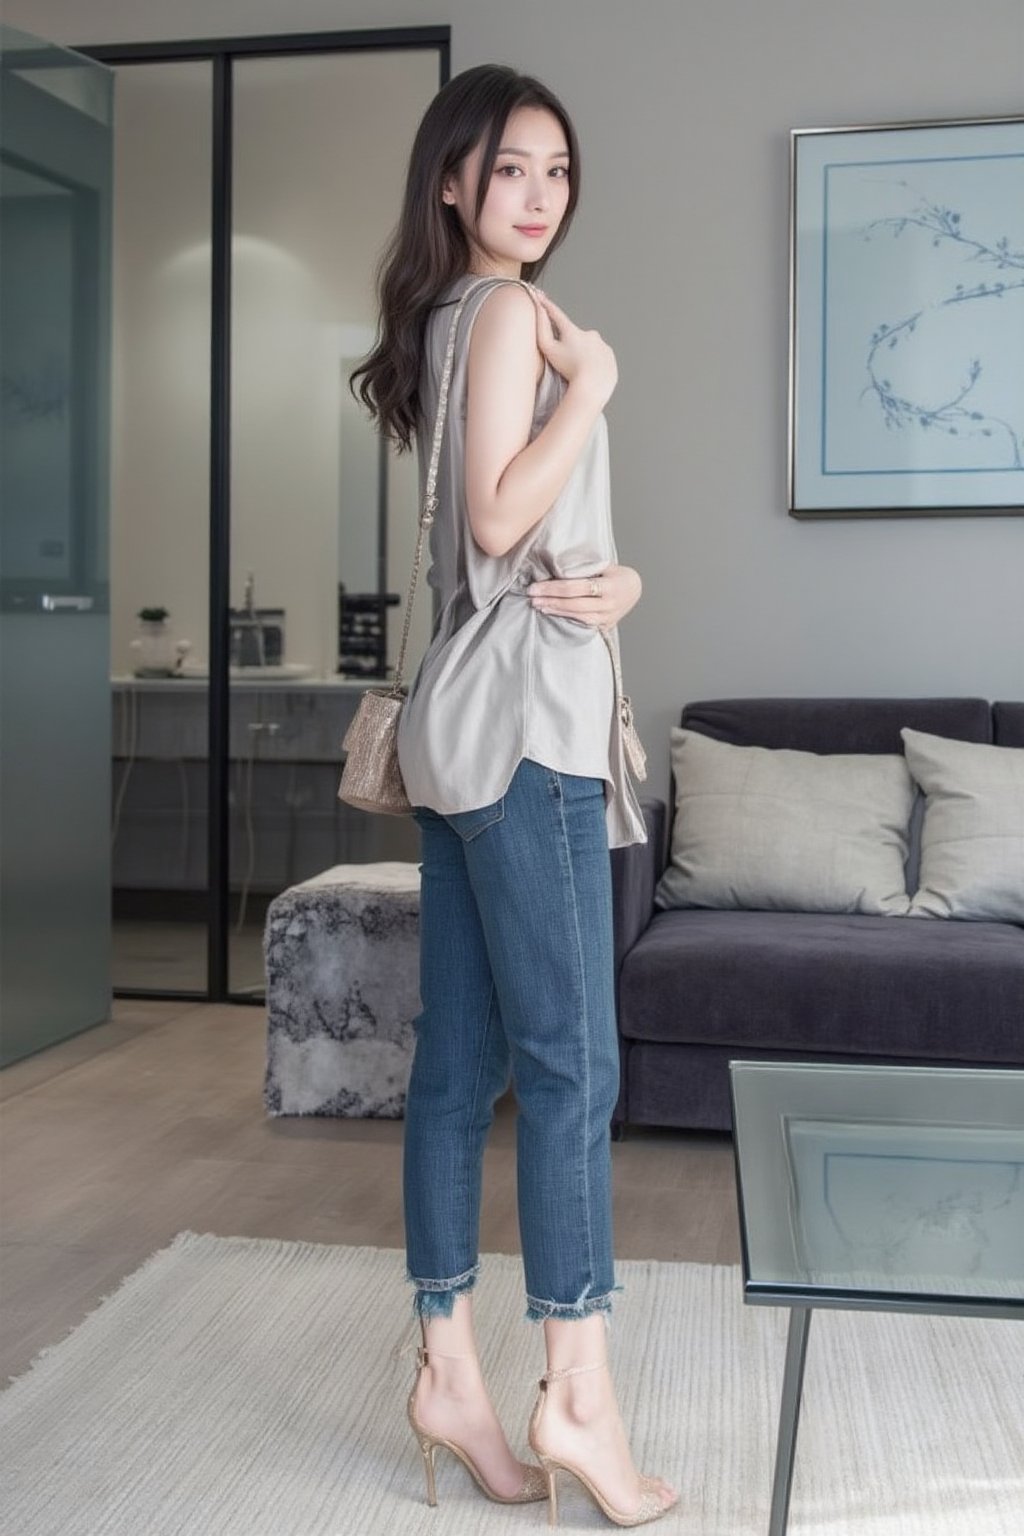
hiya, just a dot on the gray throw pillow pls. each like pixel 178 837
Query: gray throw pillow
pixel 972 838
pixel 781 830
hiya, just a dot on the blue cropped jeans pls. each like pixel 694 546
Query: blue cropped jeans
pixel 516 981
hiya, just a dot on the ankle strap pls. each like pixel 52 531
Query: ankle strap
pixel 572 1370
pixel 424 1351
pixel 405 1345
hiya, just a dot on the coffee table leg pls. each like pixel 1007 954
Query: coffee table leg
pixel 789 1417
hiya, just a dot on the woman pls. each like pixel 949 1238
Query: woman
pixel 511 752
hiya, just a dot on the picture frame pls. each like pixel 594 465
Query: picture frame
pixel 906 311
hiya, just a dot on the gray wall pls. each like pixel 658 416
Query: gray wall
pixel 679 258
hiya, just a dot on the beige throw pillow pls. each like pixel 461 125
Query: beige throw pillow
pixel 780 830
pixel 972 837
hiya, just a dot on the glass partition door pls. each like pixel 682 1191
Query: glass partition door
pixel 263 531
pixel 160 518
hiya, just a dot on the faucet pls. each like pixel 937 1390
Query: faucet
pixel 253 618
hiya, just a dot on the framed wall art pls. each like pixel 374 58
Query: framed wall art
pixel 906 365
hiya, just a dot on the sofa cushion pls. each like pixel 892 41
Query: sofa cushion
pixel 972 839
pixel 775 829
pixel 829 982
pixel 852 725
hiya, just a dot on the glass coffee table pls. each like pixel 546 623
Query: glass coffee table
pixel 898 1189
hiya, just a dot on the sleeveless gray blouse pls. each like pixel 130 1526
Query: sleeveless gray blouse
pixel 500 680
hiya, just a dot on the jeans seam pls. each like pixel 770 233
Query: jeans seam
pixel 467 1140
pixel 480 1058
pixel 582 987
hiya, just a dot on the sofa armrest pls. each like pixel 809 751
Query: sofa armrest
pixel 636 870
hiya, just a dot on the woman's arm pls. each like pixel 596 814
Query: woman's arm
pixel 512 482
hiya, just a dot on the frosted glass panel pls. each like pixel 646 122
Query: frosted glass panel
pixel 55 210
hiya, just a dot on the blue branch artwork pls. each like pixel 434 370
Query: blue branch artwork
pixel 955 415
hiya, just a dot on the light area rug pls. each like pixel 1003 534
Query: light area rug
pixel 244 1387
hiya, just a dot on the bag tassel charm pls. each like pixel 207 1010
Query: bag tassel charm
pixel 631 740
pixel 634 747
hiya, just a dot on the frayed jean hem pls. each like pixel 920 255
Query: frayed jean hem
pixel 537 1309
pixel 436 1298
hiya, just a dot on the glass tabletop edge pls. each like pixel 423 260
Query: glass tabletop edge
pixel 764 1293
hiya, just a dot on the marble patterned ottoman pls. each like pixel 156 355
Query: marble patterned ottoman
pixel 341 952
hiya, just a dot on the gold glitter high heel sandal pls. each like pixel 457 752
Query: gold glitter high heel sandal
pixel 651 1507
pixel 534 1484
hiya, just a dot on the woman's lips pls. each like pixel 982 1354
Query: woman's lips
pixel 532 229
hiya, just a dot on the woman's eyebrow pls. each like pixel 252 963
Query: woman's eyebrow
pixel 558 154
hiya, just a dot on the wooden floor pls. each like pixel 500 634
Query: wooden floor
pixel 154 1122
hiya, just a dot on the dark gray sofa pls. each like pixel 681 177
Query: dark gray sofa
pixel 696 987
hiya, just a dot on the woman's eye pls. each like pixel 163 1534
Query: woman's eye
pixel 561 168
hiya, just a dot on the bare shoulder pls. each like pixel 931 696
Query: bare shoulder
pixel 506 320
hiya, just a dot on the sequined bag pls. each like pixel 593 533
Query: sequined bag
pixel 371 778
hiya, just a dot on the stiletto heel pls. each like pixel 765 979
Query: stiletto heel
pixel 651 1506
pixel 533 1485
pixel 427 1447
pixel 549 1473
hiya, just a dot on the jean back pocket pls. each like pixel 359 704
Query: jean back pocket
pixel 469 824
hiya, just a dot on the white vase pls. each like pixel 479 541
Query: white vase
pixel 154 649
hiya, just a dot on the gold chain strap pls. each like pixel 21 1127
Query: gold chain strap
pixel 430 499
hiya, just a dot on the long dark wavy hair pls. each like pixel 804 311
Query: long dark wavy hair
pixel 428 248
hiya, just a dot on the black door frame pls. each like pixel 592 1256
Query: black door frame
pixel 221 53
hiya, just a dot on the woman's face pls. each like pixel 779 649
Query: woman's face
pixel 529 186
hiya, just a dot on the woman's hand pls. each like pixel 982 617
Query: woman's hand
pixel 576 354
pixel 620 589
